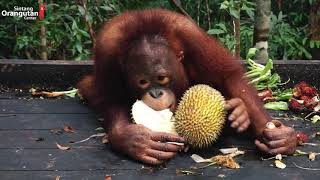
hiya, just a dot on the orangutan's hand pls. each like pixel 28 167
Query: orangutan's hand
pixel 239 116
pixel 144 145
pixel 279 140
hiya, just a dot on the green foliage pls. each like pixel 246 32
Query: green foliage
pixel 67 32
pixel 224 30
pixel 286 40
pixel 68 36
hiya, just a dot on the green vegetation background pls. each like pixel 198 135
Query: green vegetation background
pixel 68 36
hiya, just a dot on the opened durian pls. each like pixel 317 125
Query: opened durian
pixel 160 121
pixel 199 117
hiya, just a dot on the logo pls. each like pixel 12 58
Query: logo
pixel 42 7
pixel 26 13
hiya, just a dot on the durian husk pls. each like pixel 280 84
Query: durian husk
pixel 200 116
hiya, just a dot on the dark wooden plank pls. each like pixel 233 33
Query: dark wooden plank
pixel 28 73
pixel 30 139
pixel 68 175
pixel 92 160
pixel 24 158
pixel 43 106
pixel 48 121
pixel 10 93
pixel 160 175
pixel 7 96
pixel 55 159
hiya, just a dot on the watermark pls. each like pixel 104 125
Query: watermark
pixel 27 13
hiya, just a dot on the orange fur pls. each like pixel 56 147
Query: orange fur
pixel 205 60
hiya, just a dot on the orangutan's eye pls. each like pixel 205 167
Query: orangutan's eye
pixel 163 80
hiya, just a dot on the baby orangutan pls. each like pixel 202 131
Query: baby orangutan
pixel 156 55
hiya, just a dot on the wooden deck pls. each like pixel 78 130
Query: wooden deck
pixel 25 120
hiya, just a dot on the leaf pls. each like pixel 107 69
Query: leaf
pixel 107 177
pixel 315 119
pixel 268 67
pixel 199 159
pixel 312 156
pixel 78 46
pixel 215 31
pixel 280 16
pixel 68 129
pixel 224 5
pixel 250 12
pixel 185 172
pixel 101 129
pixel 223 160
pixel 57 177
pixel 228 150
pixel 312 44
pixel 236 153
pixel 84 33
pixel 64 148
pixel 251 53
pixel 72 93
pixel 81 10
pixel 317 43
pixel 107 8
pixel 284 95
pixel 89 18
pixel 92 136
pixel 299 153
pixel 74 25
pixel 278 105
pixel 105 139
pixel 47 94
pixel 234 13
pixel 222 26
pixel 279 164
pixel 304 40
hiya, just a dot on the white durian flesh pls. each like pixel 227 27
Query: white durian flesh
pixel 160 121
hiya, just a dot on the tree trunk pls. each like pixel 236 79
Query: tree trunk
pixel 89 25
pixel 261 28
pixel 236 24
pixel 314 21
pixel 43 40
pixel 208 14
pixel 314 27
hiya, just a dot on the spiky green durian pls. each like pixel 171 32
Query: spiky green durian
pixel 200 115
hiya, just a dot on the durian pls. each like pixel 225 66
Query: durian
pixel 160 121
pixel 200 115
